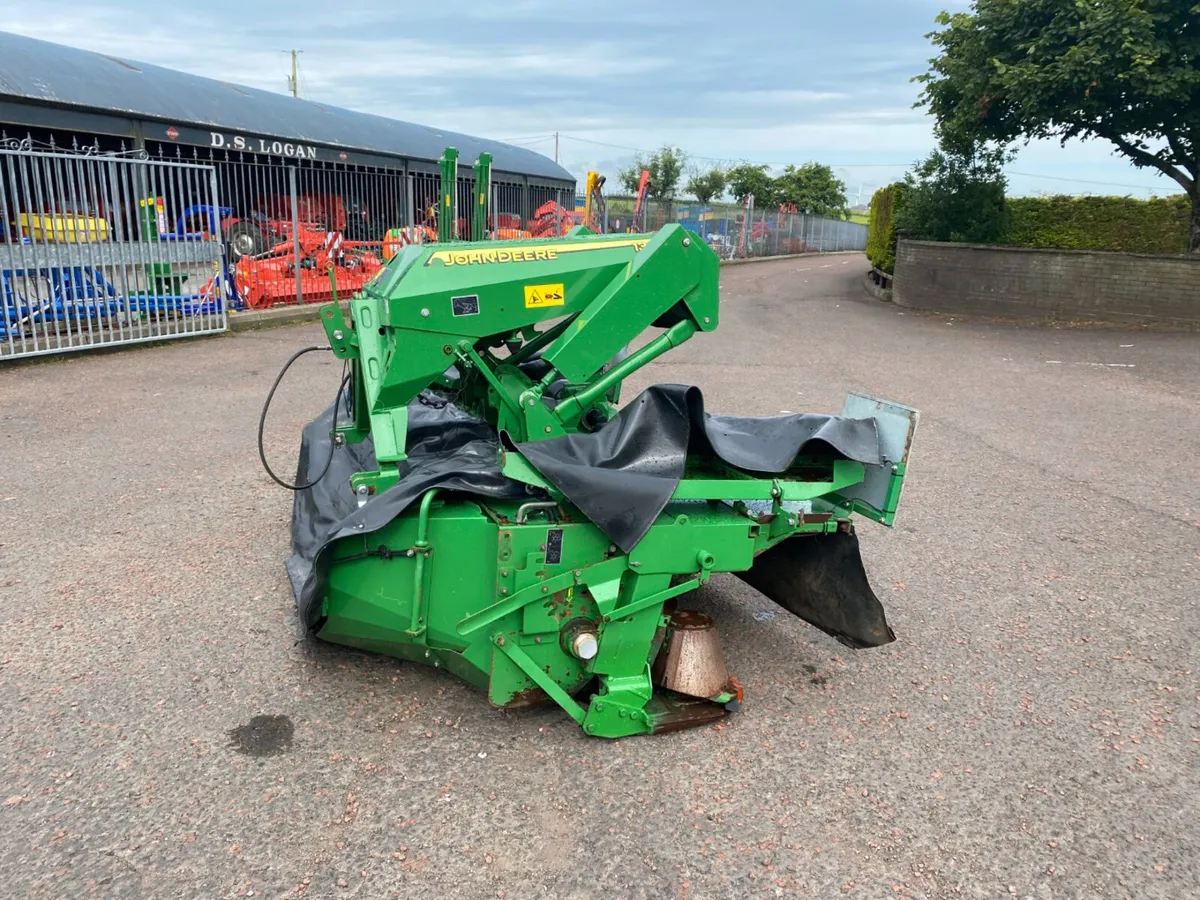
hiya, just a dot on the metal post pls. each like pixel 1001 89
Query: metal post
pixel 495 216
pixel 448 208
pixel 223 285
pixel 295 232
pixel 483 192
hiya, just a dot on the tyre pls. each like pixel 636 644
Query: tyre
pixel 243 239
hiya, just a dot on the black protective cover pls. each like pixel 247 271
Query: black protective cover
pixel 620 477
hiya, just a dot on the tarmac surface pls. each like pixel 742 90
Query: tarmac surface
pixel 1033 732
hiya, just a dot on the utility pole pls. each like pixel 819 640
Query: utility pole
pixel 556 146
pixel 293 83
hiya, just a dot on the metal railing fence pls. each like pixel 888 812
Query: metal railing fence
pixel 89 255
pixel 741 231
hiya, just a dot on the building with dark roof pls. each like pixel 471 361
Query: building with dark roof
pixel 261 143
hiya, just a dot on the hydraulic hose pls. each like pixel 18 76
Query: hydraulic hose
pixel 262 420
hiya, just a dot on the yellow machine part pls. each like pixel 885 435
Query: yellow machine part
pixel 63 229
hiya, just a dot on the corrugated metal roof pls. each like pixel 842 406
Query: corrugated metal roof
pixel 45 73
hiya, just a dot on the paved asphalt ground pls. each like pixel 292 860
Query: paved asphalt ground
pixel 1033 732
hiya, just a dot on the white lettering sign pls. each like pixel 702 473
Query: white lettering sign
pixel 262 145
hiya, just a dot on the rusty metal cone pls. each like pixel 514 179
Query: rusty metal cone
pixel 691 661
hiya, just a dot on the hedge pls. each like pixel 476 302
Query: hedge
pixel 1118 224
pixel 1100 223
pixel 881 232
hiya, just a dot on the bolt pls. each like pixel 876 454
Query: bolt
pixel 687 242
pixel 339 440
pixel 545 590
pixel 500 641
pixel 410 553
pixel 791 521
pixel 531 402
pixel 707 320
pixel 548 429
pixel 424 314
pixel 584 646
pixel 599 706
pixel 503 591
pixel 542 547
pixel 337 334
pixel 538 639
pixel 635 564
pixel 577 573
pixel 504 573
pixel 895 469
pixel 427 654
pixel 590 729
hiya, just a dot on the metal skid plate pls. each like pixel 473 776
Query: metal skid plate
pixel 897 426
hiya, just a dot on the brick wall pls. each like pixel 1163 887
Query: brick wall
pixel 1062 285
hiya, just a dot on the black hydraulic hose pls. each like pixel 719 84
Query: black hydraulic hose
pixel 262 420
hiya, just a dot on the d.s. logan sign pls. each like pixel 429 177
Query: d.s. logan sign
pixel 219 141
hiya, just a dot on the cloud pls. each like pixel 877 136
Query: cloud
pixel 774 98
pixel 761 80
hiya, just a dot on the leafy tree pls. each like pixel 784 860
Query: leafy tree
pixel 1124 71
pixel 751 179
pixel 954 196
pixel 814 189
pixel 705 186
pixel 666 169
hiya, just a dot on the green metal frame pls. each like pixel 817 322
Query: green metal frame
pixel 609 283
pixel 447 220
pixel 483 197
pixel 470 585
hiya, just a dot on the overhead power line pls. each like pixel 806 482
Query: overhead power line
pixel 903 165
pixel 528 137
pixel 1141 187
pixel 733 159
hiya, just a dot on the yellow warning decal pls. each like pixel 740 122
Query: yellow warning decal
pixel 539 295
pixel 517 253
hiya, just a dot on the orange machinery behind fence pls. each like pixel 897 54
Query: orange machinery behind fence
pixel 271 277
pixel 551 219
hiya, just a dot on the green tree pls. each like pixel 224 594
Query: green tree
pixel 1124 71
pixel 954 196
pixel 814 189
pixel 706 186
pixel 881 234
pixel 748 178
pixel 666 169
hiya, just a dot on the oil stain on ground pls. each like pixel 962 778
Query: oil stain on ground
pixel 262 736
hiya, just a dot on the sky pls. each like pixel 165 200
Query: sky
pixel 775 82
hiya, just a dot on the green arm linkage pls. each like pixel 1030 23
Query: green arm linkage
pixel 412 321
